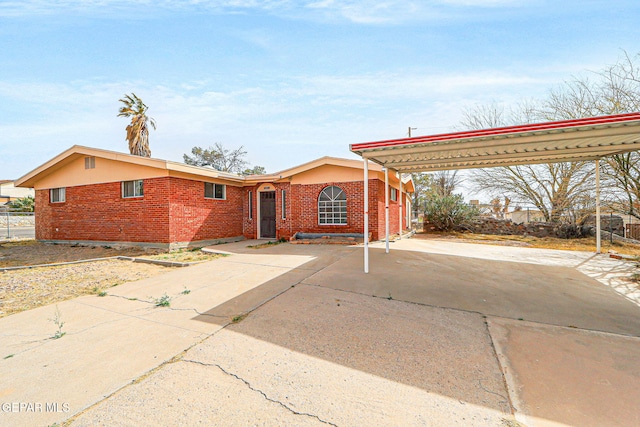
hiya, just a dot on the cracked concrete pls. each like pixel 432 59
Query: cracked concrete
pixel 430 338
pixel 248 384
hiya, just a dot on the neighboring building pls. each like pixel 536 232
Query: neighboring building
pixel 525 216
pixel 90 195
pixel 9 192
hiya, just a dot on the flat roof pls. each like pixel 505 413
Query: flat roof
pixel 550 142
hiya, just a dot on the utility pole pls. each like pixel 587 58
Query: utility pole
pixel 410 129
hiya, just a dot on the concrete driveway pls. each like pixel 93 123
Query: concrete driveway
pixel 438 334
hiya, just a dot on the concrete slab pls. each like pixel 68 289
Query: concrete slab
pixel 554 295
pixel 328 351
pixel 608 271
pixel 441 351
pixel 183 394
pixel 110 341
pixel 560 376
pixel 330 357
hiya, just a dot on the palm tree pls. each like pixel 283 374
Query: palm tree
pixel 138 130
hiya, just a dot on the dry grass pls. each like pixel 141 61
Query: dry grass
pixel 26 289
pixel 22 290
pixel 184 255
pixel 31 252
pixel 585 244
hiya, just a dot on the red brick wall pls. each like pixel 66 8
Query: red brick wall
pixel 195 218
pixel 99 213
pixel 249 225
pixel 175 210
pixel 304 208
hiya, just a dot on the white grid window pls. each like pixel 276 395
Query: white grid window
pixel 57 195
pixel 332 206
pixel 214 191
pixel 132 189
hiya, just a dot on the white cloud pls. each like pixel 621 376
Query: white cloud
pixel 279 123
pixel 356 11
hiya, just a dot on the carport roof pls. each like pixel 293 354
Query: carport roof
pixel 550 142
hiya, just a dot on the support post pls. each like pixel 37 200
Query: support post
pixel 598 243
pixel 400 215
pixel 366 215
pixel 386 209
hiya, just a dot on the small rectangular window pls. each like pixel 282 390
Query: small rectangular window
pixel 89 162
pixel 284 204
pixel 214 191
pixel 250 204
pixel 57 195
pixel 394 195
pixel 132 188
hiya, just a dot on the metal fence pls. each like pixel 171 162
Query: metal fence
pixel 17 224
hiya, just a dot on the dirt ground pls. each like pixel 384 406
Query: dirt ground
pixel 30 252
pixel 26 289
pixel 585 244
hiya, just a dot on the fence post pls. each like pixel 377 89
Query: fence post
pixel 8 226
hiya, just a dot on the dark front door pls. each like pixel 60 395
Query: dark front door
pixel 268 214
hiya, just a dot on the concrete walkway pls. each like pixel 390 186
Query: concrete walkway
pixel 437 334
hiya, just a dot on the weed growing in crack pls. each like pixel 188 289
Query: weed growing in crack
pixel 163 301
pixel 389 297
pixel 238 318
pixel 57 320
pixel 102 293
pixel 9 356
pixel 186 291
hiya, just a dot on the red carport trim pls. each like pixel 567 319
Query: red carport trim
pixel 503 131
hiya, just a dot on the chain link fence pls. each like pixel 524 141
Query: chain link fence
pixel 17 224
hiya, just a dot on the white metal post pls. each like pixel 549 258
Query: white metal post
pixel 386 209
pixel 598 249
pixel 400 214
pixel 366 215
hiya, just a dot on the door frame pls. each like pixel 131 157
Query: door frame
pixel 266 188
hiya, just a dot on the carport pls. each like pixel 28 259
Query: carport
pixel 584 139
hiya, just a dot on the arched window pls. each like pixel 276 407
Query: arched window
pixel 332 206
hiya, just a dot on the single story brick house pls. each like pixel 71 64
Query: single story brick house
pixel 94 196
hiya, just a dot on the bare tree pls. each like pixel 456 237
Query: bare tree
pixel 613 90
pixel 422 190
pixel 219 158
pixel 444 183
pixel 551 188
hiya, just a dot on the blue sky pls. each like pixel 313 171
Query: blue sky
pixel 288 80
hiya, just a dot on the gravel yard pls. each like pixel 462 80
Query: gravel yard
pixel 26 289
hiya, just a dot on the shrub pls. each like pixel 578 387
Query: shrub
pixel 23 204
pixel 447 212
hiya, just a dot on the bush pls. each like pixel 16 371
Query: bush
pixel 447 212
pixel 23 204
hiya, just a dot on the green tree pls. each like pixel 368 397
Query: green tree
pixel 422 190
pixel 23 204
pixel 138 129
pixel 256 170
